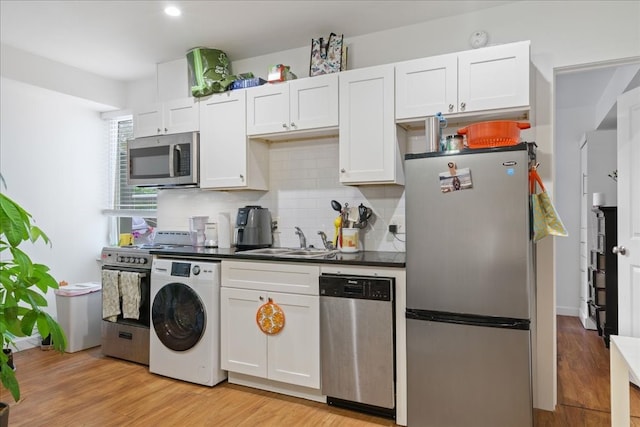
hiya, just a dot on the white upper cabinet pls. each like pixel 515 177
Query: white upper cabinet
pixel 176 116
pixel 494 77
pixel 228 160
pixel 426 86
pixel 490 78
pixel 295 105
pixel 371 146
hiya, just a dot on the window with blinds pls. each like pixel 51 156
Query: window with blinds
pixel 127 198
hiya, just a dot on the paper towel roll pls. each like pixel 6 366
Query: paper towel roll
pixel 224 230
pixel 598 199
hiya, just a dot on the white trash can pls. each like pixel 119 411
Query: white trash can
pixel 79 308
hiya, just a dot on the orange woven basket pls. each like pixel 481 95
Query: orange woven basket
pixel 498 133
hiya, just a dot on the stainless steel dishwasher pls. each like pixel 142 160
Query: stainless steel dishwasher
pixel 357 342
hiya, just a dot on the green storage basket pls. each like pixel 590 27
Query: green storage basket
pixel 208 71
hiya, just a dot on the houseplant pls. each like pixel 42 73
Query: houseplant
pixel 23 284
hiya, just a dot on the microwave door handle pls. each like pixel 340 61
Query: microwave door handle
pixel 171 162
pixel 175 153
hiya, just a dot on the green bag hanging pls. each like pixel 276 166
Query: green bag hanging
pixel 208 71
pixel 546 221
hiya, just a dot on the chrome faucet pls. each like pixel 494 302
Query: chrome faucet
pixel 327 244
pixel 303 239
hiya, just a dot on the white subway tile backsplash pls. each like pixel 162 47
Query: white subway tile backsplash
pixel 304 178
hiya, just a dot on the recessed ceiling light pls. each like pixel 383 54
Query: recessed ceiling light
pixel 172 11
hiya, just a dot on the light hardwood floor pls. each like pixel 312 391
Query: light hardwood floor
pixel 89 389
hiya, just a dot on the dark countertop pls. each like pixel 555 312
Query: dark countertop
pixel 363 258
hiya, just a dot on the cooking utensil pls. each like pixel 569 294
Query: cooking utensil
pixel 496 133
pixel 336 206
pixel 337 224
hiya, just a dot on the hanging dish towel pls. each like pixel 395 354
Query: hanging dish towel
pixel 130 291
pixel 110 295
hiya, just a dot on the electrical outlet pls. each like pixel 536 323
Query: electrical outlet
pixel 398 221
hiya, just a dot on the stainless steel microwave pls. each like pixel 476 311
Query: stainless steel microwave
pixel 164 161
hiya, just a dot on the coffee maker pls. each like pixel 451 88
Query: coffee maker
pixel 253 228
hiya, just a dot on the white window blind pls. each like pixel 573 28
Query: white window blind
pixel 126 200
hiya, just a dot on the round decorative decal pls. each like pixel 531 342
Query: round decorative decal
pixel 270 318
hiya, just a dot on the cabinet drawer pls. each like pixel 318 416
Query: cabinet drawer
pixel 270 276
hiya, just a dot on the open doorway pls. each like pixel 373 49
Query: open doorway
pixel 584 113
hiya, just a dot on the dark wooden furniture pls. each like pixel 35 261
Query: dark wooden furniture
pixel 603 273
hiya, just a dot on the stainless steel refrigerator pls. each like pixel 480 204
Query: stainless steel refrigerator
pixel 470 288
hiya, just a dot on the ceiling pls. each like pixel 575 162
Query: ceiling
pixel 123 40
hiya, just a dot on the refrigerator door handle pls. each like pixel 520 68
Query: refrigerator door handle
pixel 468 319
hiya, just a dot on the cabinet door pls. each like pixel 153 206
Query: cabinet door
pixel 243 347
pixel 313 102
pixel 181 115
pixel 268 109
pixel 147 121
pixel 367 146
pixel 223 140
pixel 294 353
pixel 494 77
pixel 427 86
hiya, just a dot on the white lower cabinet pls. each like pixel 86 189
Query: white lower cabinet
pixel 291 356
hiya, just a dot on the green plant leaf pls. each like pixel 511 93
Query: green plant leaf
pixel 28 322
pixel 43 324
pixel 12 221
pixel 8 378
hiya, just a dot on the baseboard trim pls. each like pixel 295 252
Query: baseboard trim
pixel 568 311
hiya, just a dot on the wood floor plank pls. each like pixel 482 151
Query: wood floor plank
pixel 88 389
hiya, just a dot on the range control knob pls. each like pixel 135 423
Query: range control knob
pixel 120 259
pixel 196 270
pixel 143 260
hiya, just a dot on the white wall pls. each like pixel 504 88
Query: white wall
pixel 303 181
pixel 54 161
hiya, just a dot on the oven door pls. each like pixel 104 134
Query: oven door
pixel 166 160
pixel 145 290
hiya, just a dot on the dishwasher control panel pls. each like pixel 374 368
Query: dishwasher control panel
pixel 358 287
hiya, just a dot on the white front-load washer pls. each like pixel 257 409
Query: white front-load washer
pixel 184 342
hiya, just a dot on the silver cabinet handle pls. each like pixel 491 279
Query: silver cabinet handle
pixel 242 177
pixel 159 130
pixel 284 125
pixel 261 298
pixel 620 250
pixel 342 170
pixel 450 107
pixel 166 130
pixel 293 125
pixel 462 106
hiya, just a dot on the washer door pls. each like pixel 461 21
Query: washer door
pixel 178 316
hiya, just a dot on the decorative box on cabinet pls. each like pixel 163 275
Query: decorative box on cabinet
pixel 495 77
pixel 177 116
pixel 295 107
pixel 603 274
pixel 228 159
pixel 371 146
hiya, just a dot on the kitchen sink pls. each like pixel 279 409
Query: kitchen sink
pixel 291 252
